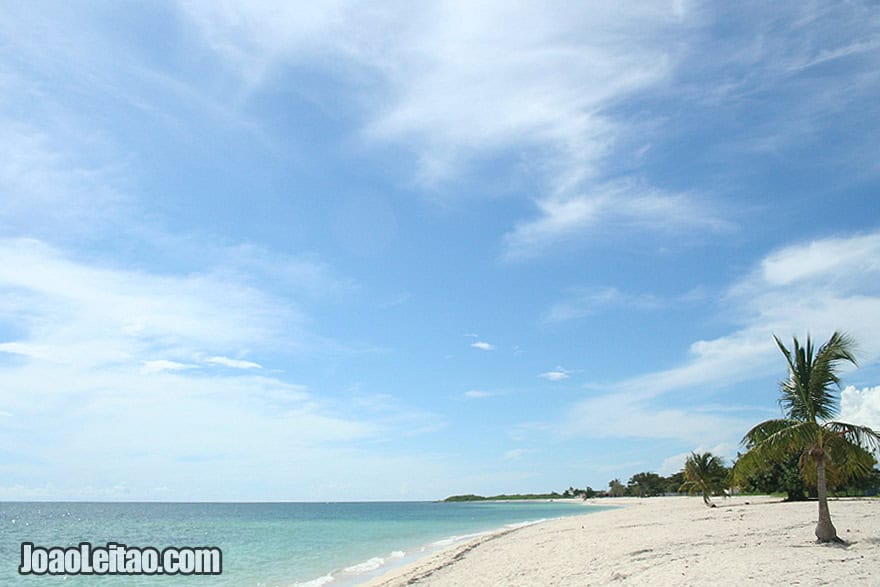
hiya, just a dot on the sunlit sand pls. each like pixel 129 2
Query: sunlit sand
pixel 667 541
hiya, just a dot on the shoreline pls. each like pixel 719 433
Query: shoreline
pixel 381 564
pixel 664 540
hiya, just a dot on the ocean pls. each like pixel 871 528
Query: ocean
pixel 263 544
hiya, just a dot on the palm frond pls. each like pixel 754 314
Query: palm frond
pixel 844 462
pixel 823 377
pixel 753 462
pixel 840 347
pixel 773 438
pixel 862 436
pixel 793 399
pixel 774 441
pixel 760 432
pixel 809 391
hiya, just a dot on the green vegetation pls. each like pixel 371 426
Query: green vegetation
pixel 646 485
pixel 827 450
pixel 616 488
pixel 505 497
pixel 782 477
pixel 769 479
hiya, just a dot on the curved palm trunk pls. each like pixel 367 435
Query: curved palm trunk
pixel 825 531
pixel 706 499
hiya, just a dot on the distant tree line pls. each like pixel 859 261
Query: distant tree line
pixel 645 484
pixel 786 478
pixel 711 477
pixel 504 497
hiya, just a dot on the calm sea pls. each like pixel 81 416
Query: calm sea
pixel 263 544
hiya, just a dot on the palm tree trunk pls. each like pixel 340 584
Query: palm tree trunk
pixel 706 499
pixel 825 531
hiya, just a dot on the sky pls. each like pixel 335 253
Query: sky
pixel 347 250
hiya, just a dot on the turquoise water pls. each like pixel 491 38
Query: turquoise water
pixel 263 544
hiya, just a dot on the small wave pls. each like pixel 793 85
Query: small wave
pixel 315 582
pixel 456 539
pixel 526 523
pixel 366 566
pixel 379 564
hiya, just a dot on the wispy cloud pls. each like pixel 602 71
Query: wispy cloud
pixel 101 315
pixel 49 187
pixel 483 345
pixel 457 90
pixel 390 413
pixel 585 301
pixel 628 416
pixel 825 55
pixel 608 210
pixel 822 285
pixel 159 365
pixel 233 363
pixel 558 374
pixel 480 394
pixel 306 274
pixel 797 287
pixel 81 366
pixel 470 92
pixel 842 260
pixel 563 91
pixel 793 74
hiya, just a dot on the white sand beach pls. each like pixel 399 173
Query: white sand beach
pixel 667 541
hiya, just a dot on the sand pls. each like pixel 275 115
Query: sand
pixel 667 541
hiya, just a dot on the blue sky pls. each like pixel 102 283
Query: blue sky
pixel 348 250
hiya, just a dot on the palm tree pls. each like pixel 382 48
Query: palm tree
pixel 809 400
pixel 706 473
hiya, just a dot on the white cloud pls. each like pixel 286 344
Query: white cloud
pixel 256 37
pixel 781 300
pixel 162 365
pixel 49 187
pixel 461 88
pixel 96 315
pixel 624 415
pixel 607 210
pixel 844 259
pixel 558 374
pixel 515 454
pixel 673 464
pixel 861 406
pixel 483 346
pixel 456 89
pixel 550 89
pixel 233 363
pixel 479 394
pixel 81 367
pixel 714 362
